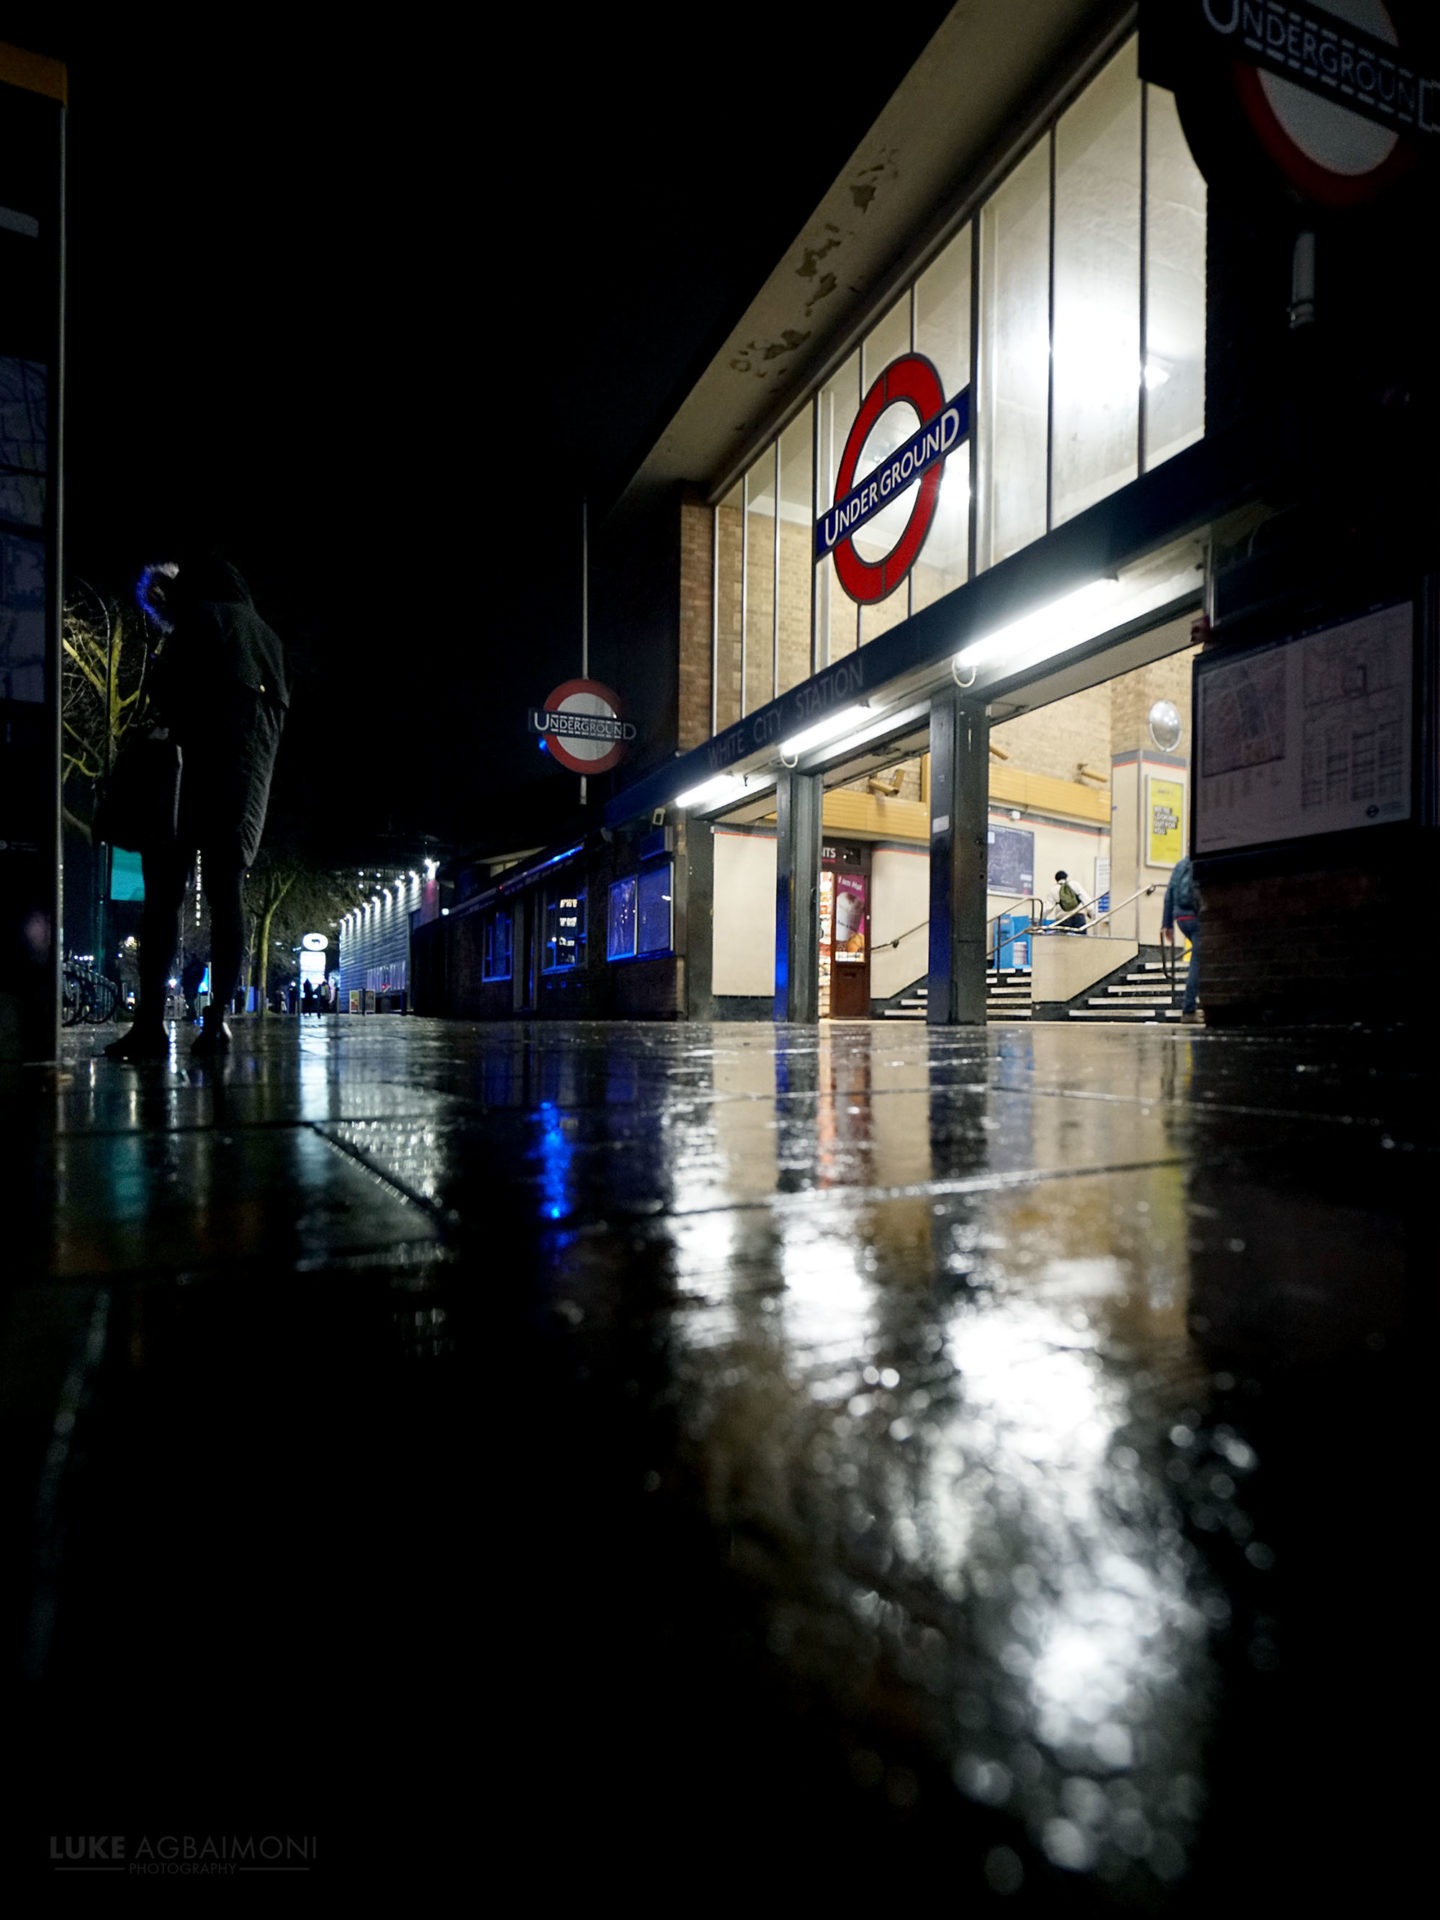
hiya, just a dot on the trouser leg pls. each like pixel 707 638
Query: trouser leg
pixel 225 890
pixel 165 873
pixel 1191 928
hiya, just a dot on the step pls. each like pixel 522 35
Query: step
pixel 1118 1013
pixel 1131 997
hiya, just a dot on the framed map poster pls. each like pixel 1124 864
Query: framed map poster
pixel 1311 734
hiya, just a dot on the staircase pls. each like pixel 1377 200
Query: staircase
pixel 1143 993
pixel 1007 997
pixel 1007 994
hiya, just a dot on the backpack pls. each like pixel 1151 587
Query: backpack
pixel 1185 901
pixel 1067 897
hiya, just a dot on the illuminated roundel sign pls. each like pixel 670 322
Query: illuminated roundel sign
pixel 582 725
pixel 1330 154
pixel 1324 97
pixel 914 468
pixel 314 942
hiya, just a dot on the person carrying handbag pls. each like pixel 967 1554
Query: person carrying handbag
pixel 219 688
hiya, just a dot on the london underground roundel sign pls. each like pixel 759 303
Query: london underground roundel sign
pixel 914 469
pixel 1324 96
pixel 582 725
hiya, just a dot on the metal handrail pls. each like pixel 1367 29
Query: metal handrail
pixel 1037 918
pixel 994 944
pixel 1140 893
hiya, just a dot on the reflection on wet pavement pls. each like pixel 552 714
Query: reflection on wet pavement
pixel 998 1444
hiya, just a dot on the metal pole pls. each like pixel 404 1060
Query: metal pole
pixel 584 612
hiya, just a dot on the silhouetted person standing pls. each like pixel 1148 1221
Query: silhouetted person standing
pixel 219 684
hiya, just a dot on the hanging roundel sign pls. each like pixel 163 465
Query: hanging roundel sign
pixel 582 725
pixel 1332 155
pixel 906 465
pixel 1325 99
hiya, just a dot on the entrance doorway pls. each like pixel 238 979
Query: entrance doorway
pixel 844 930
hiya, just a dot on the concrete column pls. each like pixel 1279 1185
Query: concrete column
pixel 800 798
pixel 522 935
pixel 959 794
pixel 695 918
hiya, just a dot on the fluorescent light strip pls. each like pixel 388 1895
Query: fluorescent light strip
pixel 1050 629
pixel 723 788
pixel 830 728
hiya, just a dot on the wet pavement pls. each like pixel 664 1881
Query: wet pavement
pixel 685 1461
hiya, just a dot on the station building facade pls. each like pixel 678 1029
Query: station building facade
pixel 1045 450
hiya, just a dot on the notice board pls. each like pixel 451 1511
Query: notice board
pixel 1310 734
pixel 1011 865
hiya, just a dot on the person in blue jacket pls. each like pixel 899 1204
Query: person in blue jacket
pixel 1182 913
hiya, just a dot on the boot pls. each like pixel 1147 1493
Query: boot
pixel 146 1040
pixel 214 1037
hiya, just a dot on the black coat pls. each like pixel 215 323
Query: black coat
pixel 220 684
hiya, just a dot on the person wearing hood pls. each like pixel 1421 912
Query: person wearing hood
pixel 219 684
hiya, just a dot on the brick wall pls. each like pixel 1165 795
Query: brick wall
pixel 1134 694
pixel 696 601
pixel 1057 739
pixel 796 571
pixel 729 528
pixel 1311 945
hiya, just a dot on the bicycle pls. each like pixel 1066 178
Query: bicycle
pixel 87 997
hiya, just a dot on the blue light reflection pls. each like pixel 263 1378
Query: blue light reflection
pixel 557 1149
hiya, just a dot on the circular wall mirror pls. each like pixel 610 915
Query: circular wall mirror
pixel 1165 725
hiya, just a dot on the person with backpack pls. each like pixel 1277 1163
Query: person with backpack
pixel 1182 911
pixel 1070 914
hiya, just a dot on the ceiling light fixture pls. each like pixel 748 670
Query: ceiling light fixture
pixel 830 728
pixel 722 789
pixel 1061 623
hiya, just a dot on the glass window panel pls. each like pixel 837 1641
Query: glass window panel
pixel 620 938
pixel 797 527
pixel 564 928
pixel 944 562
pixel 1096 422
pixel 760 582
pixel 880 536
pixel 1014 357
pixel 886 341
pixel 942 334
pixel 729 579
pixel 1174 285
pixel 880 615
pixel 836 612
pixel 656 911
pixel 942 314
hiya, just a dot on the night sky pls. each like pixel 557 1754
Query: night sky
pixel 333 294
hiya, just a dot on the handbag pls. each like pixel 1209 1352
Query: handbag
pixel 137 804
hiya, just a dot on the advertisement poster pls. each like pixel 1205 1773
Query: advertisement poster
pixel 1165 821
pixel 849 918
pixel 827 930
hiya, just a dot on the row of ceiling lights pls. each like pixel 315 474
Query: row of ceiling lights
pixel 1069 621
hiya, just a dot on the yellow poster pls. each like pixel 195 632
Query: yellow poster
pixel 1165 809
